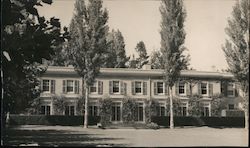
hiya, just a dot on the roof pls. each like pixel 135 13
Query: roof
pixel 139 72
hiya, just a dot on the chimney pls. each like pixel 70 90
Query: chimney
pixel 146 67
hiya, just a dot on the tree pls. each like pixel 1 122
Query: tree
pixel 142 52
pixel 27 39
pixel 172 40
pixel 88 31
pixel 236 49
pixel 133 62
pixel 116 52
pixel 156 60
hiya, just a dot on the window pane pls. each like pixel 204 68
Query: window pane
pixel 181 88
pixel 160 87
pixel 42 111
pixel 230 89
pixel 203 88
pixel 115 86
pixel 45 85
pixel 72 110
pixel 93 88
pixel 67 110
pixel 162 111
pixel 138 87
pixel 47 110
pixel 231 106
pixel 70 85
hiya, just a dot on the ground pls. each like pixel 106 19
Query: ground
pixel 78 136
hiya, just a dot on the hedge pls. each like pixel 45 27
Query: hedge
pixel 202 121
pixel 51 120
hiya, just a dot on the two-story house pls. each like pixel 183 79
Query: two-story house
pixel 139 84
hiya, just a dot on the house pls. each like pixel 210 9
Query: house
pixel 139 84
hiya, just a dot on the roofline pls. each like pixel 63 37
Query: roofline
pixel 140 72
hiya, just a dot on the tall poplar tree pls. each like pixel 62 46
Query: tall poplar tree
pixel 142 52
pixel 236 49
pixel 172 39
pixel 88 44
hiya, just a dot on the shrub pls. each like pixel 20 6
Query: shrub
pixel 105 111
pixel 59 104
pixel 152 125
pixel 80 106
pixel 128 110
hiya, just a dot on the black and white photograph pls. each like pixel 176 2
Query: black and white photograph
pixel 125 73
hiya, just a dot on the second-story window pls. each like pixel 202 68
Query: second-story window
pixel 203 88
pixel 230 90
pixel 46 85
pixel 93 88
pixel 181 88
pixel 138 87
pixel 70 86
pixel 160 87
pixel 116 87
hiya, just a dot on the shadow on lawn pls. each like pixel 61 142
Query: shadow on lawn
pixel 16 137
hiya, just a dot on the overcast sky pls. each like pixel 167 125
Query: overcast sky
pixel 139 20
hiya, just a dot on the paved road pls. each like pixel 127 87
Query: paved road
pixel 77 136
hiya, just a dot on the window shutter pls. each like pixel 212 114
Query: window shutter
pixel 144 88
pixel 64 86
pixel 125 88
pixel 76 87
pixel 177 88
pixel 122 87
pixel 110 87
pixel 210 89
pixel 52 86
pixel 155 88
pixel 41 85
pixel 187 88
pixel 236 90
pixel 166 88
pixel 199 88
pixel 100 87
pixel 133 87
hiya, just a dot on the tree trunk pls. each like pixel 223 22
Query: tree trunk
pixel 246 108
pixel 171 124
pixel 86 105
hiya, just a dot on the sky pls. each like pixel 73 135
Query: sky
pixel 139 20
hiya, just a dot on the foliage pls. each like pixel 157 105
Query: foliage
pixel 27 39
pixel 236 49
pixel 133 62
pixel 128 110
pixel 88 44
pixel 194 105
pixel 80 106
pixel 142 52
pixel 156 60
pixel 34 106
pixel 59 104
pixel 116 51
pixel 105 111
pixel 153 125
pixel 176 106
pixel 217 104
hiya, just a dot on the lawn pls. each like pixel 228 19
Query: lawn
pixel 77 136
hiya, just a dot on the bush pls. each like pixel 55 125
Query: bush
pixel 128 110
pixel 153 125
pixel 105 111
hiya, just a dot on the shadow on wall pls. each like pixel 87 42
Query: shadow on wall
pixel 16 137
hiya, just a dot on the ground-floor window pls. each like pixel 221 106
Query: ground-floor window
pixel 139 112
pixel 116 111
pixel 161 110
pixel 230 106
pixel 45 110
pixel 183 109
pixel 70 110
pixel 205 110
pixel 93 110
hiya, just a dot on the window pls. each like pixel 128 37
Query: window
pixel 138 87
pixel 116 87
pixel 230 89
pixel 203 88
pixel 161 110
pixel 70 110
pixel 93 110
pixel 205 111
pixel 230 106
pixel 183 109
pixel 139 112
pixel 46 85
pixel 160 87
pixel 45 110
pixel 70 85
pixel 93 88
pixel 181 88
pixel 116 111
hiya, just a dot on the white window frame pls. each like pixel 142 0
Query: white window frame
pixel 141 87
pixel 232 90
pixel 184 104
pixel 163 91
pixel 49 86
pixel 70 110
pixel 73 91
pixel 182 94
pixel 45 111
pixel 119 92
pixel 96 86
pixel 207 104
pixel 206 88
pixel 229 107
pixel 162 104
